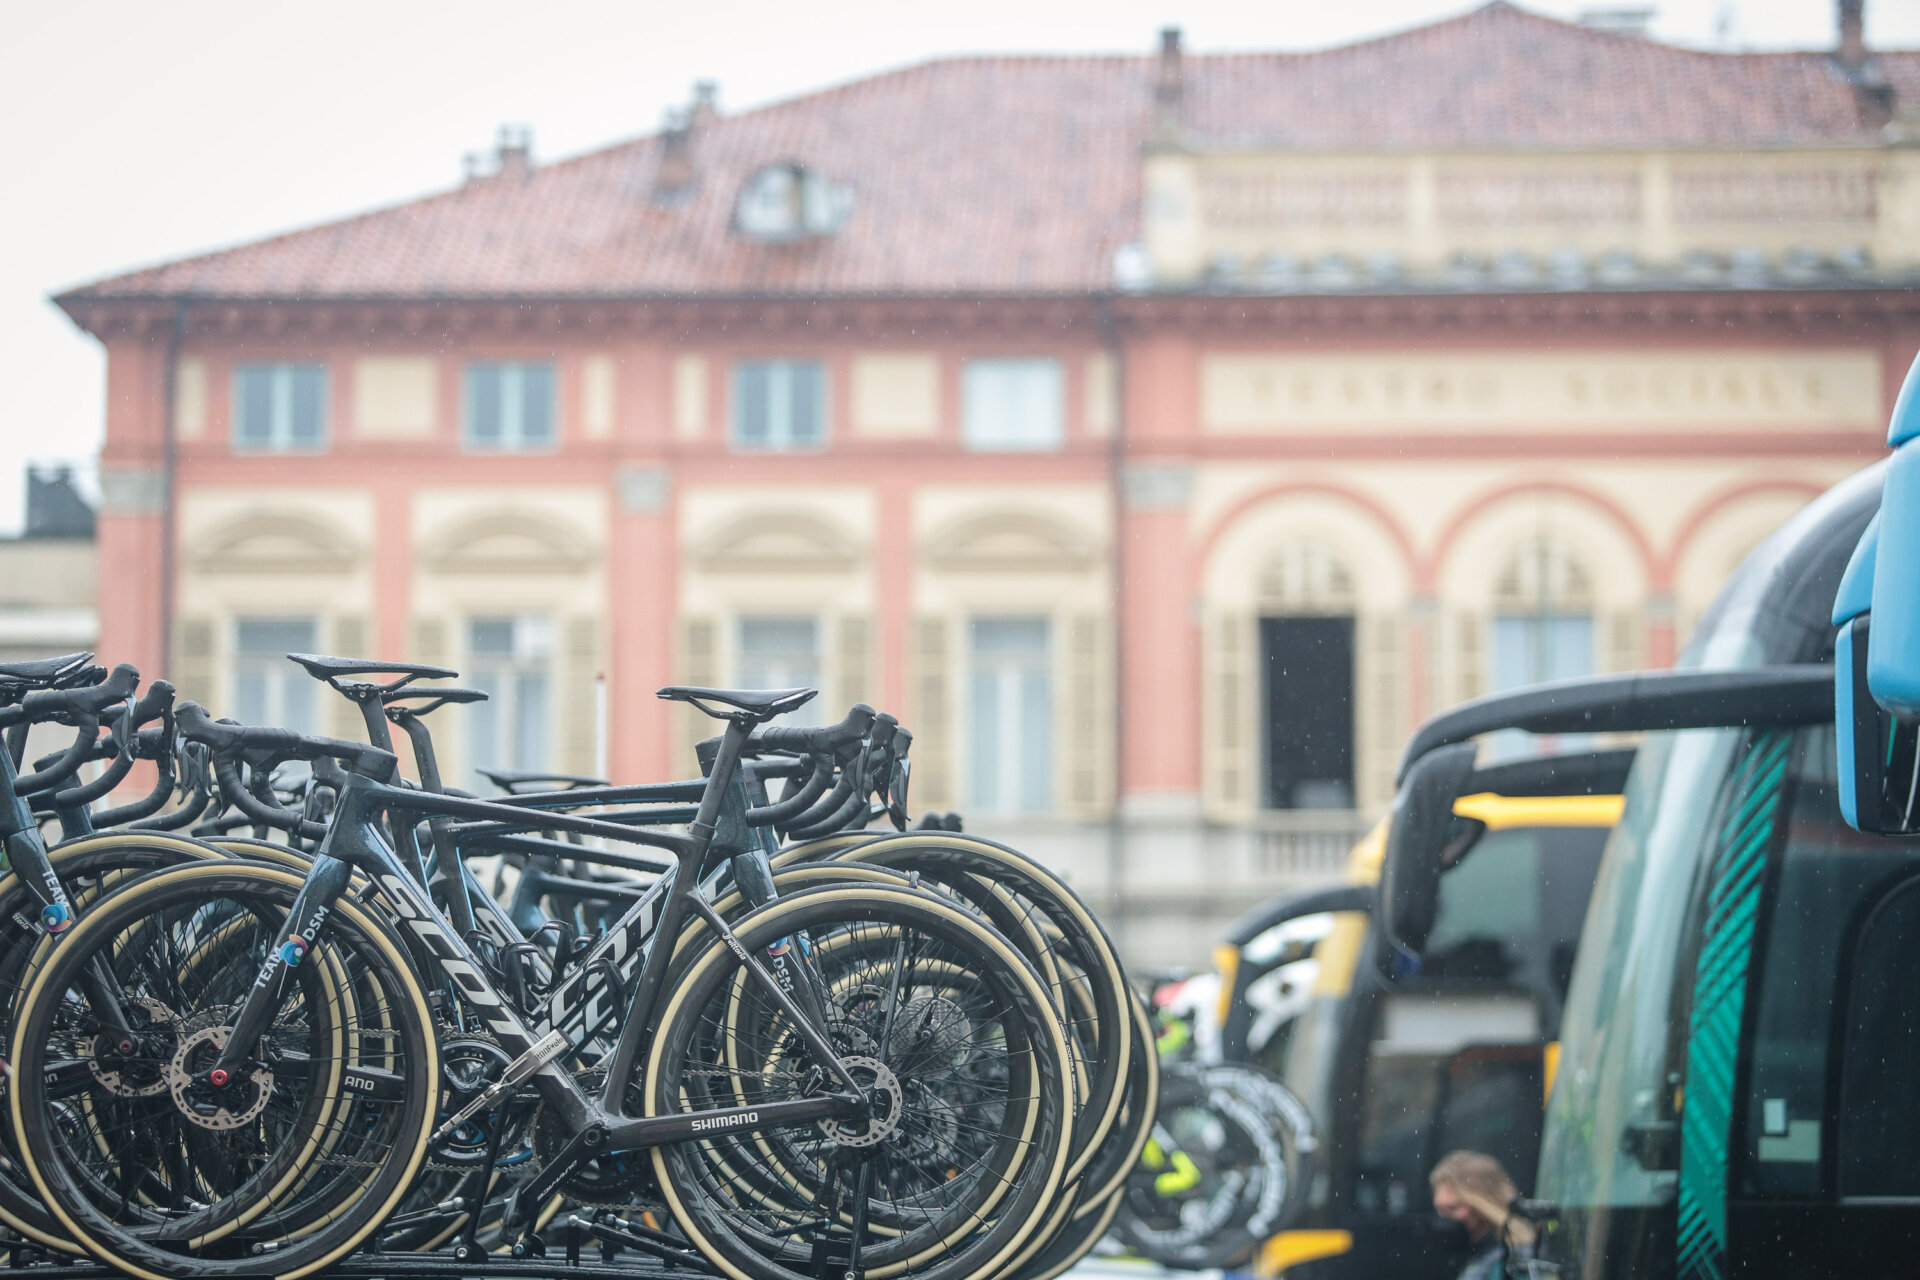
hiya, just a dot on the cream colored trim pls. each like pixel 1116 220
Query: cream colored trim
pixel 1100 400
pixel 597 396
pixel 896 395
pixel 1734 390
pixel 276 543
pixel 396 397
pixel 190 398
pixel 507 542
pixel 690 397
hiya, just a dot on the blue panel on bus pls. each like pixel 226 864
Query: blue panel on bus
pixel 1905 424
pixel 1893 651
pixel 1855 596
pixel 1843 709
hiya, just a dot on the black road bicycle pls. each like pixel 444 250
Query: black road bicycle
pixel 893 1094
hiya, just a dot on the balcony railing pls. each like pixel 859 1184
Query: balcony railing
pixel 1306 844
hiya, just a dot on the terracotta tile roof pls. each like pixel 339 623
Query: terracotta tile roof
pixel 1021 175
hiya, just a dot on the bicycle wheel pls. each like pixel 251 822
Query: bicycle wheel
pixel 288 1168
pixel 1089 987
pixel 87 867
pixel 966 1063
pixel 1225 1180
pixel 1091 1221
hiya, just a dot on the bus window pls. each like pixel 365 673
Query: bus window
pixel 1455 1059
pixel 1511 913
pixel 1880 1078
pixel 1827 874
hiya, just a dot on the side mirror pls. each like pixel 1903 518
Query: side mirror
pixel 1879 752
pixel 1424 838
pixel 1893 664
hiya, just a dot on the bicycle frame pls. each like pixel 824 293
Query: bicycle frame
pixel 600 1126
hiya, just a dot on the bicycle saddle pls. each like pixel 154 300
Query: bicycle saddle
pixel 44 671
pixel 322 666
pixel 443 693
pixel 508 779
pixel 762 704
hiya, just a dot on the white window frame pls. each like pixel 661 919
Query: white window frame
pixel 290 697
pixel 780 437
pixel 744 660
pixel 279 437
pixel 501 716
pixel 1023 785
pixel 987 422
pixel 513 428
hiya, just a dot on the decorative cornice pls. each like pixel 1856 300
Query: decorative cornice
pixel 778 542
pixel 997 317
pixel 276 543
pixel 507 542
pixel 1005 540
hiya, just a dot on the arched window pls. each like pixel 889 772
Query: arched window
pixel 1307 606
pixel 1542 616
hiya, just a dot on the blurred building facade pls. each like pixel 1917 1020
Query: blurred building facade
pixel 48 575
pixel 1161 437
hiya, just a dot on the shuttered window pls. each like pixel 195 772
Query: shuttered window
pixel 280 408
pixel 1010 715
pixel 780 653
pixel 267 689
pixel 512 659
pixel 779 405
pixel 510 406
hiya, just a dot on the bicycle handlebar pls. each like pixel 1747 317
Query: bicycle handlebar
pixel 92 701
pixel 197 724
pixel 813 740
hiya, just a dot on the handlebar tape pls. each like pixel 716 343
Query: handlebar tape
pixel 796 801
pixel 197 724
pixel 810 740
pixel 46 704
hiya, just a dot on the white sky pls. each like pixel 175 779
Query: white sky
pixel 136 132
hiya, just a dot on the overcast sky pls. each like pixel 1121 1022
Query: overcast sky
pixel 137 132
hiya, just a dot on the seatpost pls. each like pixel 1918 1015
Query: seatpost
pixel 726 762
pixel 446 870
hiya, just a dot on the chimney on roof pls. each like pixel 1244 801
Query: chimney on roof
pixel 1170 91
pixel 706 101
pixel 513 150
pixel 1851 52
pixel 673 179
pixel 1872 91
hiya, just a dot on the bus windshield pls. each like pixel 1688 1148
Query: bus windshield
pixel 1611 1129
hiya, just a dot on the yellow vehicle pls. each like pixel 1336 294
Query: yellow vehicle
pixel 1401 1060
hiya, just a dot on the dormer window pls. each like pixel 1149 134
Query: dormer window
pixel 790 202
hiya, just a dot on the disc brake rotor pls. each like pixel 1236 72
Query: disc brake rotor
pixel 113 1065
pixel 222 1109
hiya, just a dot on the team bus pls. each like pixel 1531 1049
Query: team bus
pixel 1738 1085
pixel 1399 1062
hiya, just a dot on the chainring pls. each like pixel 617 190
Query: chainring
pixel 623 1181
pixel 469 1062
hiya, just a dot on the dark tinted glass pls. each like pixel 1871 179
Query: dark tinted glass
pixel 1828 874
pixel 1880 1076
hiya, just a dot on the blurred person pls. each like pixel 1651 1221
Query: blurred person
pixel 1473 1189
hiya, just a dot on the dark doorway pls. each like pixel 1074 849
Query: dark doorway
pixel 1308 666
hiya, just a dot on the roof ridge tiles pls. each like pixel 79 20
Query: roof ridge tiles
pixel 1033 178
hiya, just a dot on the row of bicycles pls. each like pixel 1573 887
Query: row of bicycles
pixel 299 1009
